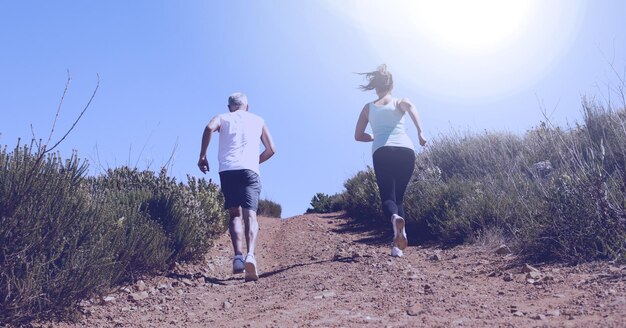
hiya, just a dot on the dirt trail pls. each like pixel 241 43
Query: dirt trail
pixel 323 270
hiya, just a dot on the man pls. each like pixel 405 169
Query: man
pixel 241 133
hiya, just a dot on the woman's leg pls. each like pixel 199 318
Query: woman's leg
pixel 383 167
pixel 394 168
pixel 405 164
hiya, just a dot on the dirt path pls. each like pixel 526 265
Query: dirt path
pixel 322 270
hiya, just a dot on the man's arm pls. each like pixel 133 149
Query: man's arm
pixel 268 143
pixel 214 125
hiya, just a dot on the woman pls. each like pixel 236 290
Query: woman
pixel 392 149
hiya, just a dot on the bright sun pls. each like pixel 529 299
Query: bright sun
pixel 476 26
pixel 466 49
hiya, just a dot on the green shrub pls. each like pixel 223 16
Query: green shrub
pixel 64 237
pixel 323 203
pixel 475 155
pixel 554 193
pixel 189 215
pixel 49 228
pixel 269 208
pixel 362 199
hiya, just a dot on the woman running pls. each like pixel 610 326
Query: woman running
pixel 392 149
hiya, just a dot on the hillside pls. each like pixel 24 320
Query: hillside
pixel 324 270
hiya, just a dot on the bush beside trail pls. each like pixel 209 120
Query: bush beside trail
pixel 65 236
pixel 323 203
pixel 554 193
pixel 269 208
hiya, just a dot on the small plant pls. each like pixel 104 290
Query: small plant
pixel 323 203
pixel 362 199
pixel 269 208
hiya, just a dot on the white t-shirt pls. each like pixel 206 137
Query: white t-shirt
pixel 240 141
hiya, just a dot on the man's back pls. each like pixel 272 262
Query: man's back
pixel 239 142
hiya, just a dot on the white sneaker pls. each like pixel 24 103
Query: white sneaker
pixel 396 252
pixel 399 233
pixel 251 271
pixel 238 266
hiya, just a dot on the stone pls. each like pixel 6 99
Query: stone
pixel 528 268
pixel 553 313
pixel 538 317
pixel 508 277
pixel 435 257
pixel 415 310
pixel 108 299
pixel 187 282
pixel 503 250
pixel 84 303
pixel 227 305
pixel 326 294
pixel 536 275
pixel 140 286
pixel 458 322
pixel 518 314
pixel 136 297
pixel 619 301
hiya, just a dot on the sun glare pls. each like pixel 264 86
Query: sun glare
pixel 466 49
pixel 476 26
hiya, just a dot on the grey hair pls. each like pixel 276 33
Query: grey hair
pixel 237 99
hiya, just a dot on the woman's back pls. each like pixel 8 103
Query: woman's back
pixel 387 122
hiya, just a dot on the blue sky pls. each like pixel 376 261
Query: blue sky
pixel 167 67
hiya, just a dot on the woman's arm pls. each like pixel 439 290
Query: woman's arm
pixel 408 107
pixel 361 124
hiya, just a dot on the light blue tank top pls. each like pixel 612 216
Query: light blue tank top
pixel 388 126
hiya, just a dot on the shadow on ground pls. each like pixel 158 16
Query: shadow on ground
pixel 224 282
pixel 380 234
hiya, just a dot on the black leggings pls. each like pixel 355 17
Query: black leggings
pixel 393 167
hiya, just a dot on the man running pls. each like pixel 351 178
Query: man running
pixel 241 133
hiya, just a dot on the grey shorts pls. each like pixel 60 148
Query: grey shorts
pixel 240 188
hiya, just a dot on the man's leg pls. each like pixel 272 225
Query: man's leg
pixel 236 236
pixel 252 191
pixel 252 228
pixel 235 228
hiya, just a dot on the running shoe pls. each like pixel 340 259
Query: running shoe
pixel 396 252
pixel 251 271
pixel 238 264
pixel 399 233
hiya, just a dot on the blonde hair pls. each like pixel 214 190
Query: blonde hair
pixel 381 80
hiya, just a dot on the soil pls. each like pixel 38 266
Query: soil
pixel 326 270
